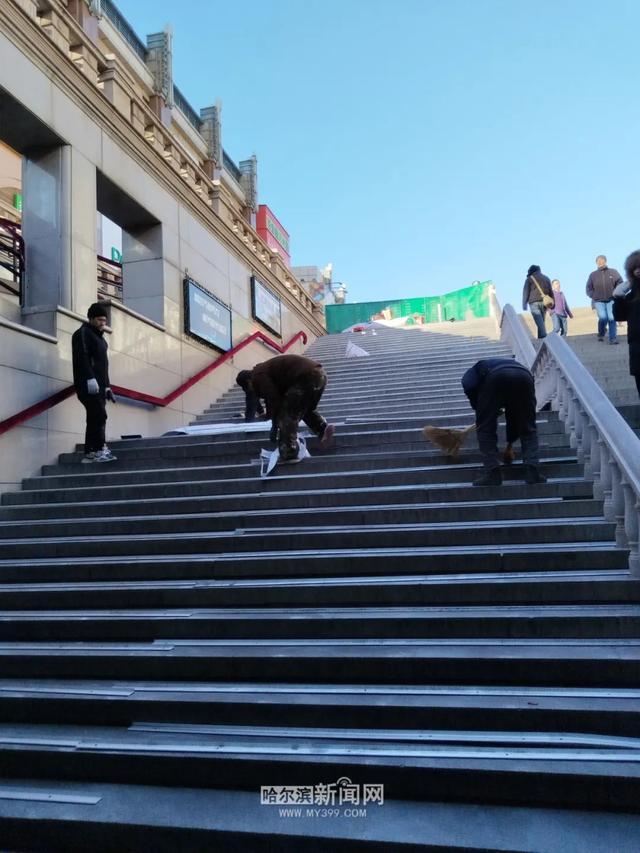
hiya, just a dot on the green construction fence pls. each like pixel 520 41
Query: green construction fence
pixel 460 304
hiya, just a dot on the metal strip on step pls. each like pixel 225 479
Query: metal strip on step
pixel 394 690
pixel 545 738
pixel 48 797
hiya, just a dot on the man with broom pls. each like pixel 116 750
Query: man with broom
pixel 493 384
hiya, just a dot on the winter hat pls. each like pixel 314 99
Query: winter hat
pixel 534 268
pixel 98 309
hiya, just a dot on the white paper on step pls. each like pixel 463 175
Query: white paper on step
pixel 270 458
pixel 238 426
pixel 354 351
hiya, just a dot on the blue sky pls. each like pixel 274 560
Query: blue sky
pixel 423 144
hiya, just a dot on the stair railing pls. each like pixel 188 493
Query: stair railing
pixel 12 256
pixel 604 442
pixel 143 397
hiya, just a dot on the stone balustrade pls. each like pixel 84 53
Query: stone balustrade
pixel 605 444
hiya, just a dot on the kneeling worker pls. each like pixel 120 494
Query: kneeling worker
pixel 493 384
pixel 291 386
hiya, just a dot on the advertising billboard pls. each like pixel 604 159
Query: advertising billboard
pixel 266 307
pixel 205 317
pixel 273 234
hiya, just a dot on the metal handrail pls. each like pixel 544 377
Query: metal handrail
pixel 604 442
pixel 230 166
pixel 124 28
pixel 12 245
pixel 112 284
pixel 186 109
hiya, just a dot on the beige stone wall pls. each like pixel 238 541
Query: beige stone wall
pixel 144 356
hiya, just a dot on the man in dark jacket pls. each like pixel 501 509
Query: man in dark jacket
pixel 91 380
pixel 536 287
pixel 626 308
pixel 493 384
pixel 291 386
pixel 600 286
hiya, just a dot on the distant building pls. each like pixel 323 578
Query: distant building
pixel 319 284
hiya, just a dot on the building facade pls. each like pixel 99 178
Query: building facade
pixel 96 140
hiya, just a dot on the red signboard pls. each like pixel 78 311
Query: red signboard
pixel 273 234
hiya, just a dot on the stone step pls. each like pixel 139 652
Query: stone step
pixel 534 662
pixel 554 446
pixel 296 477
pixel 313 517
pixel 367 428
pixel 541 622
pixel 504 588
pixel 361 401
pixel 167 819
pixel 560 489
pixel 611 711
pixel 338 363
pixel 299 538
pixel 388 562
pixel 207 469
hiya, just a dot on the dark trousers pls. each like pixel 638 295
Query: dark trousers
pixel 511 389
pixel 300 403
pixel 637 378
pixel 96 408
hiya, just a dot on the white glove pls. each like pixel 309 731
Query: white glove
pixel 93 387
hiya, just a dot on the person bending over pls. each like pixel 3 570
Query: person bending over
pixel 291 386
pixel 494 384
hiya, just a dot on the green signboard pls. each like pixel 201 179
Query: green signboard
pixel 457 305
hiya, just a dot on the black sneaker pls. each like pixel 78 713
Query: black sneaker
pixel 490 478
pixel 531 475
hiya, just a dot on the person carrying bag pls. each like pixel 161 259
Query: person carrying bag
pixel 538 297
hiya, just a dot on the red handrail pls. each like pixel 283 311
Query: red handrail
pixel 59 396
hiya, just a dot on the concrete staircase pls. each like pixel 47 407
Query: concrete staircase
pixel 176 634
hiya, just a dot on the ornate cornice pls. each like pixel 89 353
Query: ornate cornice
pixel 46 52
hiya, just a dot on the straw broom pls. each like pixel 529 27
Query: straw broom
pixel 450 440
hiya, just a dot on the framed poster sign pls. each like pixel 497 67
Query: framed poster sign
pixel 266 307
pixel 205 317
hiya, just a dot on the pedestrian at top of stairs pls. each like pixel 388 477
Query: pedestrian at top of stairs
pixel 560 310
pixel 626 307
pixel 291 386
pixel 537 290
pixel 91 380
pixel 600 286
pixel 493 384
